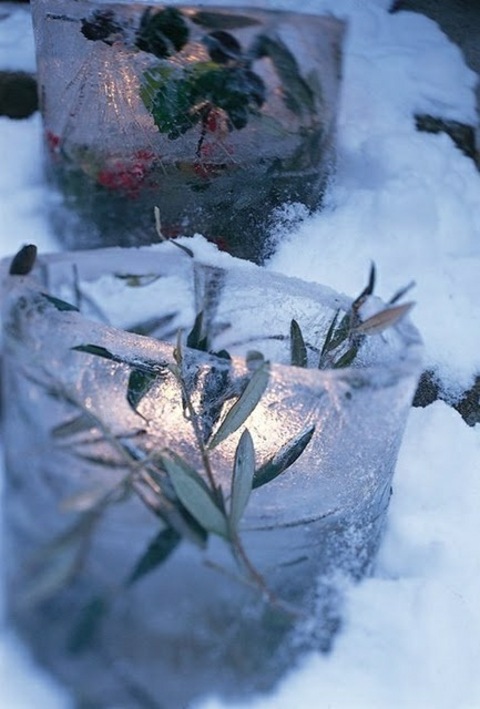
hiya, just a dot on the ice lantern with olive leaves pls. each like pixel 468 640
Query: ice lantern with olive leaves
pixel 184 482
pixel 220 116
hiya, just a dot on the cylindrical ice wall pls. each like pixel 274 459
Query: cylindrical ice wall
pixel 191 626
pixel 217 115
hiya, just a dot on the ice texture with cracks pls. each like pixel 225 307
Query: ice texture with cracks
pixel 409 201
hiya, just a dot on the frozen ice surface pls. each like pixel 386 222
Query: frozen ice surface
pixel 324 515
pixel 411 631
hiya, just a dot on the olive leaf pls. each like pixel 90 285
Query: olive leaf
pixel 60 304
pixel 298 349
pixel 88 624
pixel 97 351
pixel 400 293
pixel 144 365
pixel 384 319
pixel 368 290
pixel 57 563
pixel 195 495
pixel 347 358
pixel 79 424
pixel 139 384
pixel 157 552
pixel 242 479
pixel 23 261
pixel 283 459
pixel 83 501
pixel 245 404
pixel 151 325
pixel 197 339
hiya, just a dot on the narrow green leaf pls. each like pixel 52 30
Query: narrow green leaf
pixel 147 327
pixel 54 574
pixel 346 359
pixel 87 627
pixel 243 471
pixel 97 351
pixel 243 407
pixel 298 349
pixel 368 290
pixel 328 338
pixel 400 293
pixel 283 459
pixel 194 494
pixel 178 354
pixel 157 552
pixel 148 366
pixel 196 338
pixel 60 304
pixel 79 424
pixel 384 319
pixel 341 332
pixel 139 384
pixel 56 564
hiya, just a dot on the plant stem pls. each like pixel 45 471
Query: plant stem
pixel 198 435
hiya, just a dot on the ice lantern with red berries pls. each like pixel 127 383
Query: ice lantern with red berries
pixel 219 116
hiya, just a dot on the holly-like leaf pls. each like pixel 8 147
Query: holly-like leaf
pixel 298 349
pixel 167 95
pixel 283 459
pixel 222 20
pixel 162 32
pixel 235 89
pixel 242 479
pixel 245 404
pixel 157 552
pixel 100 26
pixel 195 495
pixel 222 47
pixel 298 95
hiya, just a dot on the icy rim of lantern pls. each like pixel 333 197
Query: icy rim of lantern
pixel 200 282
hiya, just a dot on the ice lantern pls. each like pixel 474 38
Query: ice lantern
pixel 109 577
pixel 220 116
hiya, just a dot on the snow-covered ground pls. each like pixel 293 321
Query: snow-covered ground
pixel 411 202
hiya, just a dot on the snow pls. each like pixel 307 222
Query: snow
pixel 408 201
